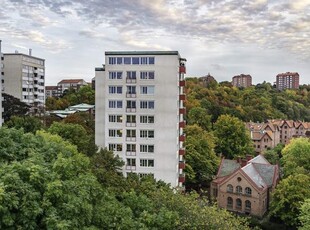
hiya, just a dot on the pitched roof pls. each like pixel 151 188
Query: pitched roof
pixel 51 87
pixel 227 167
pixel 64 81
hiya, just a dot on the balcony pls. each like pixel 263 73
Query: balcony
pixel 182 124
pixel 128 124
pixel 131 153
pixel 182 83
pixel 181 178
pixel 129 167
pixel 182 152
pixel 131 95
pixel 131 138
pixel 182 111
pixel 131 110
pixel 181 165
pixel 182 138
pixel 182 69
pixel 129 80
pixel 182 97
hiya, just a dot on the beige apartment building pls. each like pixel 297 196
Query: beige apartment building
pixel 242 80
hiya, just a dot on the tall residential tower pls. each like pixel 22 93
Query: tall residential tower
pixel 287 80
pixel 140 112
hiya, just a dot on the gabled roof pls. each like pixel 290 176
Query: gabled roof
pixel 258 135
pixel 227 167
pixel 51 87
pixel 259 159
pixel 72 81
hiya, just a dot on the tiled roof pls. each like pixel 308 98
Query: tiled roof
pixel 70 81
pixel 251 172
pixel 51 87
pixel 227 167
pixel 266 172
pixel 259 159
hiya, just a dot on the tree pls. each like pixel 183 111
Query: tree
pixel 232 137
pixel 201 160
pixel 12 106
pixel 199 116
pixel 29 124
pixel 296 157
pixel 304 216
pixel 76 135
pixel 288 197
pixel 274 155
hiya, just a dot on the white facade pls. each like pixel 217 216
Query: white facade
pixel 139 112
pixel 24 78
pixel 1 84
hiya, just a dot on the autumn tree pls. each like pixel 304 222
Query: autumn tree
pixel 232 138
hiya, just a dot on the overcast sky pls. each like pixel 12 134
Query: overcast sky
pixel 223 37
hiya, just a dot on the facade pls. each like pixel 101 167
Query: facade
pixel 1 86
pixel 70 83
pixel 242 80
pixel 51 91
pixel 208 79
pixel 24 77
pixel 140 112
pixel 245 186
pixel 287 80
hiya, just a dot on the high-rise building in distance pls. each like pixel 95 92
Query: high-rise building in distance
pixel 140 112
pixel 242 80
pixel 287 80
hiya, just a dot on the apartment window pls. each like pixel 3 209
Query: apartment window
pixel 131 89
pixel 130 133
pixel 119 60
pixel 147 75
pixel 238 204
pixel 144 60
pixel 151 60
pixel 127 60
pixel 135 60
pixel 131 147
pixel 146 104
pixel 115 118
pixel 230 188
pixel 149 90
pixel 239 189
pixel 147 148
pixel 112 60
pixel 230 202
pixel 131 75
pixel 131 119
pixel 116 147
pixel 146 163
pixel 143 175
pixel 131 162
pixel 130 104
pixel 115 133
pixel 115 75
pixel 116 104
pixel 147 133
pixel 147 119
pixel 147 60
pixel 115 89
pixel 248 191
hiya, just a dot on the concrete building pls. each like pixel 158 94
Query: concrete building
pixel 242 80
pixel 24 77
pixel 70 83
pixel 51 91
pixel 1 86
pixel 140 112
pixel 287 80
pixel 244 186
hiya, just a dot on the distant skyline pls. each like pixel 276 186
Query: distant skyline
pixel 223 37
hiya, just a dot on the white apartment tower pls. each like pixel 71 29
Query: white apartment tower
pixel 24 77
pixel 140 112
pixel 1 86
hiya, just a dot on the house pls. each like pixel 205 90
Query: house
pixel 244 186
pixel 66 84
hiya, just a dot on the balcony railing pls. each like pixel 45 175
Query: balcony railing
pixel 182 124
pixel 129 80
pixel 131 110
pixel 182 111
pixel 182 97
pixel 129 167
pixel 181 165
pixel 182 152
pixel 131 95
pixel 182 138
pixel 182 69
pixel 129 124
pixel 131 153
pixel 131 138
pixel 182 83
pixel 181 178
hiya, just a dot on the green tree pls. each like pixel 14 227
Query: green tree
pixel 274 155
pixel 12 106
pixel 76 135
pixel 200 117
pixel 232 137
pixel 288 197
pixel 296 157
pixel 29 124
pixel 201 160
pixel 304 216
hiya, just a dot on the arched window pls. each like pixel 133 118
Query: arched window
pixel 229 202
pixel 238 204
pixel 230 188
pixel 247 205
pixel 238 189
pixel 248 191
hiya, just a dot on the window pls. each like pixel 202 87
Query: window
pixel 230 188
pixel 131 119
pixel 112 60
pixel 248 191
pixel 115 75
pixel 135 60
pixel 248 205
pixel 239 189
pixel 116 104
pixel 131 147
pixel 151 60
pixel 115 118
pixel 147 119
pixel 119 60
pixel 130 104
pixel 131 162
pixel 115 89
pixel 147 133
pixel 147 75
pixel 131 89
pixel 115 133
pixel 146 163
pixel 147 148
pixel 144 60
pixel 116 147
pixel 146 104
pixel 130 133
pixel 143 175
pixel 149 90
pixel 230 202
pixel 238 204
pixel 131 75
pixel 127 60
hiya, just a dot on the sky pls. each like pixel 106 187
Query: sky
pixel 224 37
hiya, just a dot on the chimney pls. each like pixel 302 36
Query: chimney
pixel 30 52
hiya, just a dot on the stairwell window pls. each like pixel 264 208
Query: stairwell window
pixel 146 133
pixel 148 90
pixel 146 162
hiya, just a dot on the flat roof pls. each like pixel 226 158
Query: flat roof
pixel 24 55
pixel 142 53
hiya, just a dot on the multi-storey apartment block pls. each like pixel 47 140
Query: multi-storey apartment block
pixel 51 91
pixel 242 80
pixel 70 83
pixel 287 80
pixel 24 77
pixel 140 112
pixel 1 86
